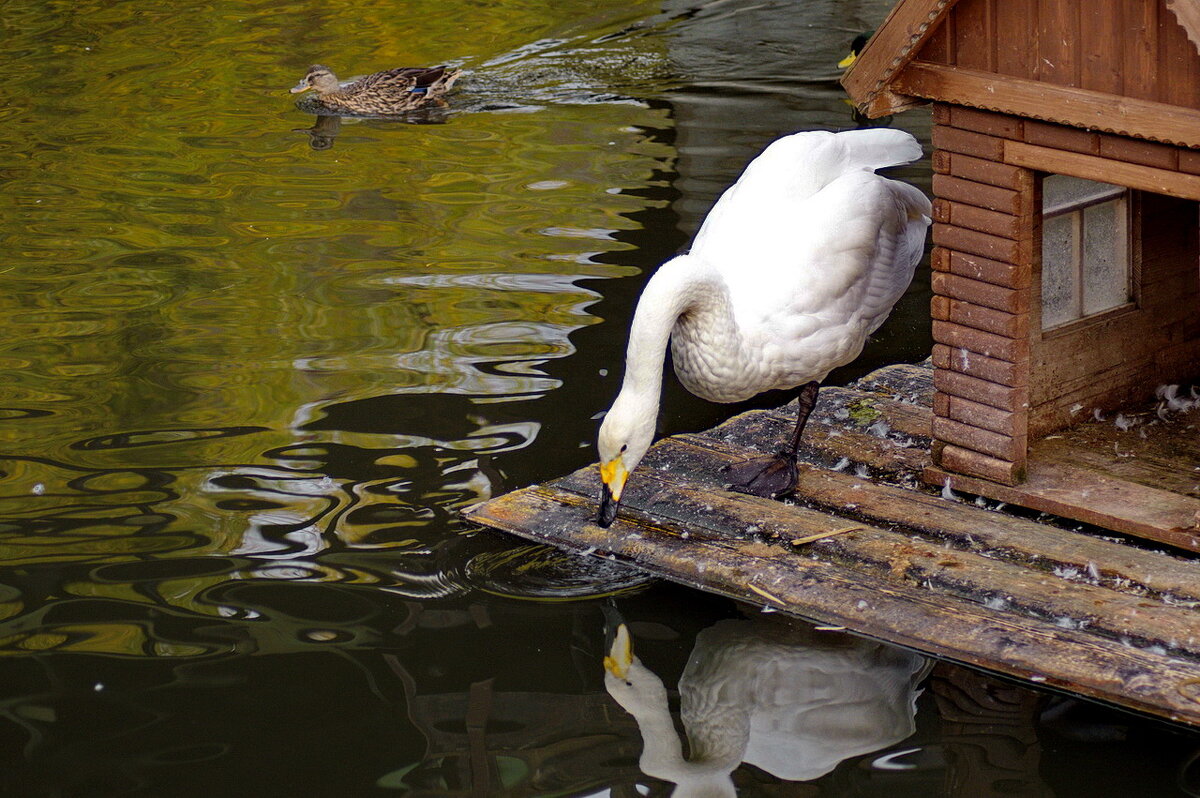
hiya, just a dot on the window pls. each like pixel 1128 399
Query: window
pixel 1085 249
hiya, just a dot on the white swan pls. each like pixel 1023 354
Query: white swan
pixel 796 264
pixel 778 695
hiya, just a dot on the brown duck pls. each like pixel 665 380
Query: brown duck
pixel 395 91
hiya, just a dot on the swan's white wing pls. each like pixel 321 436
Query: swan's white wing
pixel 810 278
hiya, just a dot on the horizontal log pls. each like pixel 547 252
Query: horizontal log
pixel 981 195
pixel 967 461
pixel 968 143
pixel 985 343
pixel 992 173
pixel 1090 167
pixel 986 122
pixel 1004 447
pixel 1147 153
pixel 941 404
pixel 1061 137
pixel 1189 161
pixel 975 364
pixel 974 242
pixel 993 394
pixel 940 161
pixel 977 267
pixel 1063 105
pixel 980 293
pixel 971 217
pixel 984 416
pixel 978 317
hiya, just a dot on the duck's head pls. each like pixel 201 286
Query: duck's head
pixel 625 435
pixel 856 47
pixel 319 78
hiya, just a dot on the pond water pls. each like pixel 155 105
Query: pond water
pixel 256 362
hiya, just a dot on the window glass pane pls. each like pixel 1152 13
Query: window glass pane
pixel 1059 285
pixel 1106 266
pixel 1059 190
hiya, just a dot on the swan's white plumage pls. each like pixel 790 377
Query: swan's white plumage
pixel 796 264
pixel 777 695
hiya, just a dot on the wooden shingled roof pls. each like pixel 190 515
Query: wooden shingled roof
pixel 1130 67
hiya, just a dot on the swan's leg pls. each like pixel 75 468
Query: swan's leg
pixel 776 474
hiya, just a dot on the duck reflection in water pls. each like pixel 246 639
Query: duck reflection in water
pixel 770 692
pixel 328 126
pixel 322 134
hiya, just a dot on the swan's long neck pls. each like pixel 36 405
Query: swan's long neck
pixel 681 290
pixel 707 772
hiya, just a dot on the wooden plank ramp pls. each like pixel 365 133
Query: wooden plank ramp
pixel 865 546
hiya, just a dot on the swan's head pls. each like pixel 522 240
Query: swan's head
pixel 319 78
pixel 625 435
pixel 620 654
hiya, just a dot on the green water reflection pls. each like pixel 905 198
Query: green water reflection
pixel 256 362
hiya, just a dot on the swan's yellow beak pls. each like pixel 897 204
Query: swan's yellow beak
pixel 620 655
pixel 613 474
pixel 848 60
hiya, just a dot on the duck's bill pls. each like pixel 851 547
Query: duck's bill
pixel 845 62
pixel 299 87
pixel 608 507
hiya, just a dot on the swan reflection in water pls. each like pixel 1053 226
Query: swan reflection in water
pixel 770 692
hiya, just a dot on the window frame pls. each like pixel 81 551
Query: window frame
pixel 1132 202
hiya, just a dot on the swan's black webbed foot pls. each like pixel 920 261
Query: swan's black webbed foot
pixel 769 477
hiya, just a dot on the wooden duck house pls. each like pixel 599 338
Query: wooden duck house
pixel 1066 271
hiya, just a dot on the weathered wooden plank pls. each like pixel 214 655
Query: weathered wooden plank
pixel 973 218
pixel 967 142
pixel 977 292
pixel 887 436
pixel 1140 53
pixel 976 364
pixel 1065 105
pixel 990 418
pixel 1009 275
pixel 1058 59
pixel 1100 42
pixel 1146 153
pixel 1168 457
pixel 986 122
pixel 1062 137
pixel 973 36
pixel 1017 34
pixel 973 242
pixel 969 436
pixel 1146 178
pixel 701 512
pixel 933 621
pixel 1004 397
pixel 981 195
pixel 996 346
pixel 992 173
pixel 945 577
pixel 978 317
pixel 1084 495
pixel 968 461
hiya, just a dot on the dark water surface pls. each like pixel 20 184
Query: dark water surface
pixel 255 363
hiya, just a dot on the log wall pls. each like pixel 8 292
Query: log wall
pixel 999 379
